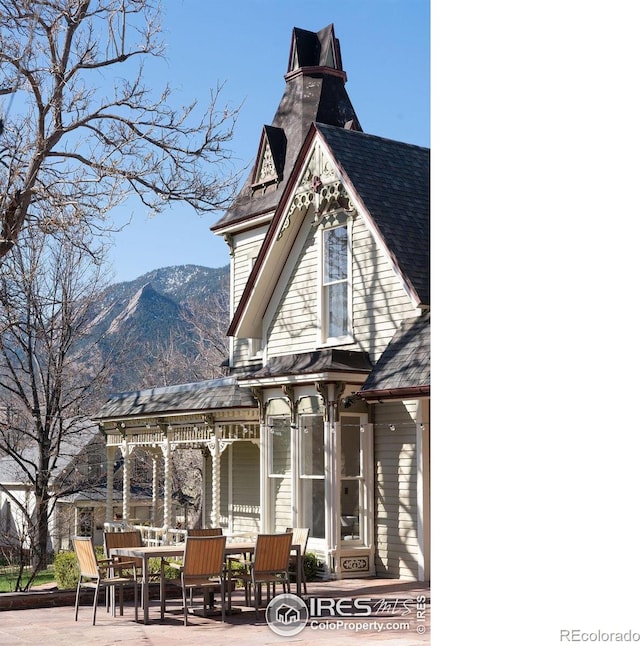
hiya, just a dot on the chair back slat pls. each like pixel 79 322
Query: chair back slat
pixel 300 537
pixel 205 531
pixel 204 556
pixel 87 561
pixel 272 552
pixel 124 539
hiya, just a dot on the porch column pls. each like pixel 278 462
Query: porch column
pixel 423 493
pixel 205 500
pixel 214 484
pixel 109 503
pixel 126 484
pixel 332 456
pixel 166 521
pixel 265 488
pixel 154 488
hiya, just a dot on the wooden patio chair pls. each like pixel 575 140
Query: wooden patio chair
pixel 123 539
pixel 205 531
pixel 202 568
pixel 270 565
pixel 122 564
pixel 300 537
pixel 99 574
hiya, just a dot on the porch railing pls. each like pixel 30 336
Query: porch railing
pixel 151 536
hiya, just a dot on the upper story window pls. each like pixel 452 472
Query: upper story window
pixel 336 320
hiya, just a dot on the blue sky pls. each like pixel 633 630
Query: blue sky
pixel 385 48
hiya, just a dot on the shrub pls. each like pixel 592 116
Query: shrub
pixel 154 569
pixel 312 566
pixel 65 568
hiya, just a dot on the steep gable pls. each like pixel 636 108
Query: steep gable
pixel 270 165
pixel 386 181
pixel 392 180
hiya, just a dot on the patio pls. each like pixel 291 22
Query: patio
pixel 396 618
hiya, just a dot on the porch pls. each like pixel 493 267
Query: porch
pixel 282 456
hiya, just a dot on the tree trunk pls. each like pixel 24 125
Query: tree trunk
pixel 40 539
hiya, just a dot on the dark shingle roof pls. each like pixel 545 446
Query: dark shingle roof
pixel 315 91
pixel 326 360
pixel 406 362
pixel 392 179
pixel 204 395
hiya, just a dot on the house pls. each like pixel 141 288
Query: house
pixel 323 421
pixel 77 493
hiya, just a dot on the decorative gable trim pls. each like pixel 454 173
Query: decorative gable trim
pixel 269 166
pixel 319 187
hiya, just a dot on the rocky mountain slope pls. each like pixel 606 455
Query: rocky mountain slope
pixel 146 321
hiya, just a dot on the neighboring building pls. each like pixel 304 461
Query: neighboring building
pixel 324 420
pixel 77 489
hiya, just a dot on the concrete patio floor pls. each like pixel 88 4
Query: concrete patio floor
pixel 400 614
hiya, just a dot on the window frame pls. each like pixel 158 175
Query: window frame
pixel 364 480
pixel 337 222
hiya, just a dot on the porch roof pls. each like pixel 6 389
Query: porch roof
pixel 320 361
pixel 201 396
pixel 405 366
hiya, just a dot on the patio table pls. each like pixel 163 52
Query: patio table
pixel 165 551
pixel 146 553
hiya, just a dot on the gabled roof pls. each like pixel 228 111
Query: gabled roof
pixel 314 91
pixel 73 444
pixel 183 398
pixel 391 180
pixel 404 369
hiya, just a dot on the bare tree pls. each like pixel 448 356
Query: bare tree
pixel 207 321
pixel 49 373
pixel 82 131
pixel 196 352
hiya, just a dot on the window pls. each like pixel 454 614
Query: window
pixel 352 484
pixel 335 283
pixel 312 475
pixel 279 465
pixel 85 521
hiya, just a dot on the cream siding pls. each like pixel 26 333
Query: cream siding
pixel 379 301
pixel 240 488
pixel 245 504
pixel 246 249
pixel 294 328
pixel 396 503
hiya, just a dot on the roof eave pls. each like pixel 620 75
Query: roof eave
pixel 395 393
pixel 254 220
pixel 312 377
pixel 166 415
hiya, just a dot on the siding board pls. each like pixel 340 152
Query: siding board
pixel 395 498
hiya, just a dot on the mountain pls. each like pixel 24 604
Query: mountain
pixel 145 323
pixel 181 283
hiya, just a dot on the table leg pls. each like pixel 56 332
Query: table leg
pixel 145 588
